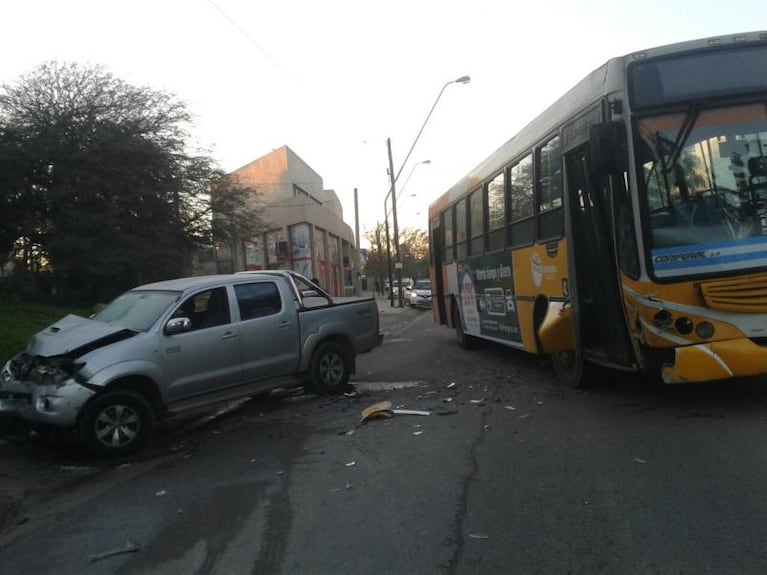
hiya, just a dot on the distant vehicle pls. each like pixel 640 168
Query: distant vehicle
pixel 170 346
pixel 407 283
pixel 420 295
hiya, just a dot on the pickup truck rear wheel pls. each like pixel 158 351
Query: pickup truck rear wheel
pixel 331 368
pixel 116 423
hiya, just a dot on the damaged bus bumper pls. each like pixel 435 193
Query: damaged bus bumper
pixel 716 360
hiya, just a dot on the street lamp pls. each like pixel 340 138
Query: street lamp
pixel 393 178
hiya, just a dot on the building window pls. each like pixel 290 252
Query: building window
pixel 301 193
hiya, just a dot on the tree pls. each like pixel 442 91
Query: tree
pixel 99 177
pixel 414 252
pixel 376 266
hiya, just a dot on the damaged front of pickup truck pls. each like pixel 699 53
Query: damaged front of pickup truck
pixel 47 385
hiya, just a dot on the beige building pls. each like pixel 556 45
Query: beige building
pixel 306 233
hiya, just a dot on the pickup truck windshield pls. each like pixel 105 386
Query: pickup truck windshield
pixel 704 187
pixel 137 310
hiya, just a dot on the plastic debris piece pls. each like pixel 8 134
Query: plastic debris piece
pixel 451 385
pixel 477 400
pixel 540 403
pixel 160 493
pixel 419 432
pixel 130 547
pixel 524 415
pixel 410 412
pixel 509 407
pixel 479 536
pixel 640 460
pixel 381 409
pixel 447 399
pixel 280 472
pixel 351 464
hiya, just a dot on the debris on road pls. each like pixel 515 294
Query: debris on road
pixel 130 547
pixel 479 536
pixel 509 407
pixel 451 385
pixel 381 409
pixel 640 460
pixel 160 493
pixel 410 412
pixel 351 464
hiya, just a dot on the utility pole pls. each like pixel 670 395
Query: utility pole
pixel 356 278
pixel 397 261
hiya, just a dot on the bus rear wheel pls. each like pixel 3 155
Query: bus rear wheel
pixel 465 341
pixel 572 370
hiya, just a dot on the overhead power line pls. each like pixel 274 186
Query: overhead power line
pixel 250 38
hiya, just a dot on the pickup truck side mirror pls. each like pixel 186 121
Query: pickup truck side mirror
pixel 178 325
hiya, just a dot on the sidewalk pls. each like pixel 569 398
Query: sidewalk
pixel 385 307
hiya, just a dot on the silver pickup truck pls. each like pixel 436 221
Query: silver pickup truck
pixel 170 346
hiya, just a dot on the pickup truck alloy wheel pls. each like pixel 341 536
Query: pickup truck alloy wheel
pixel 330 368
pixel 116 423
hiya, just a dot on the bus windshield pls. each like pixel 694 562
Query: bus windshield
pixel 704 187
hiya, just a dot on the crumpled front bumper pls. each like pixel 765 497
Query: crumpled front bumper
pixel 716 360
pixel 51 404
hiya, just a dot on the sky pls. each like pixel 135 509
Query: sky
pixel 335 79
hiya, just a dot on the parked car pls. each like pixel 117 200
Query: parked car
pixel 167 347
pixel 420 295
pixel 407 286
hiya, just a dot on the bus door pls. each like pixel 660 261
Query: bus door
pixel 438 287
pixel 598 312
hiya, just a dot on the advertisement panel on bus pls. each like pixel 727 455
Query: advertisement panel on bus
pixel 487 299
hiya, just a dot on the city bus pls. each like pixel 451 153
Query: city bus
pixel 625 227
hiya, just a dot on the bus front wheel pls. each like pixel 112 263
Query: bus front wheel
pixel 571 369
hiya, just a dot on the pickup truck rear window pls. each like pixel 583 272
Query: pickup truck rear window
pixel 258 299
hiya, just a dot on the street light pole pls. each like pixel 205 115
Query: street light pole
pixel 393 193
pixel 461 80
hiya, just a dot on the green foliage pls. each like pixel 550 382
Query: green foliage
pixel 97 185
pixel 21 320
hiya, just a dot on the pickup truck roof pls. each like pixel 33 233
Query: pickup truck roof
pixel 182 284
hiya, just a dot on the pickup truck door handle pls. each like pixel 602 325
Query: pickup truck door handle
pixel 285 324
pixel 229 335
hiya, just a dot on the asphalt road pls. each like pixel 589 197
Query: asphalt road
pixel 510 473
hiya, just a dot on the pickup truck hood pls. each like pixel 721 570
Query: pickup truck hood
pixel 75 336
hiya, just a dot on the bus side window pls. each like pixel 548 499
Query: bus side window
pixel 521 202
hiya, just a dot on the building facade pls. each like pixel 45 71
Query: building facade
pixel 306 231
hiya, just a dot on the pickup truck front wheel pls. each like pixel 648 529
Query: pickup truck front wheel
pixel 116 423
pixel 331 368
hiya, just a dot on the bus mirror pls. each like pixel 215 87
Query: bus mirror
pixel 608 148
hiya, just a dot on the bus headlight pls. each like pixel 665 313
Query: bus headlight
pixel 705 330
pixel 683 325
